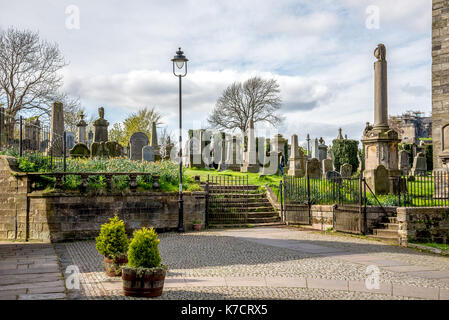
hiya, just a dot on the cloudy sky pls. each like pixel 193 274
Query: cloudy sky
pixel 321 53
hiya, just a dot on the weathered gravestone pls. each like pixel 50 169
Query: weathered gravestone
pixel 381 180
pixel 148 153
pixel 80 150
pixel 404 163
pixel 313 169
pixel 334 176
pixel 69 140
pixel 101 127
pixel 326 166
pixel 296 168
pixel 419 165
pixel 137 141
pixel 346 171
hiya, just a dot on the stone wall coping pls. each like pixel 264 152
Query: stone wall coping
pixel 42 194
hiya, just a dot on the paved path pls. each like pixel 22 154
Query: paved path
pixel 272 263
pixel 29 271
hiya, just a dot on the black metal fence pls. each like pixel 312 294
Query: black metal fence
pixel 430 190
pixel 322 191
pixel 30 139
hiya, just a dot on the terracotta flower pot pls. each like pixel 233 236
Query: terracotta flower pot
pixel 114 266
pixel 148 284
pixel 197 227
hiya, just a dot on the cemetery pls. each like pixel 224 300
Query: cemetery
pixel 141 214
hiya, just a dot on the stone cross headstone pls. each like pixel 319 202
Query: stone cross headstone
pixel 419 165
pixel 137 141
pixel 404 163
pixel 346 171
pixel 57 129
pixel 148 153
pixel 101 127
pixel 297 160
pixel 313 168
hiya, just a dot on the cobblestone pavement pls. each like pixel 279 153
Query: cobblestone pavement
pixel 30 271
pixel 272 263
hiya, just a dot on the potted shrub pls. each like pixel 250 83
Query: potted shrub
pixel 144 276
pixel 197 225
pixel 113 243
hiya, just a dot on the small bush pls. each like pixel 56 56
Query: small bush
pixel 143 250
pixel 112 241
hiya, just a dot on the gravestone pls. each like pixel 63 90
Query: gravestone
pixel 333 175
pixel 57 129
pixel 250 164
pixel 80 150
pixel 69 140
pixel 148 153
pixel 315 147
pixel 419 165
pixel 114 149
pixel 346 171
pixel 137 141
pixel 98 149
pixel 322 150
pixel 32 134
pixel 326 166
pixel 81 125
pixel 296 166
pixel 154 143
pixel 404 163
pixel 90 138
pixel 381 180
pixel 100 127
pixel 313 169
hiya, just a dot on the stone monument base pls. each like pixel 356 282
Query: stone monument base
pixel 252 168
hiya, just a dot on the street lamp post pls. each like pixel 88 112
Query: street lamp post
pixel 179 61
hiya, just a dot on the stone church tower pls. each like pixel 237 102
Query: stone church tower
pixel 440 83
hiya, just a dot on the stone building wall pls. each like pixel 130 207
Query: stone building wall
pixel 440 76
pixel 56 217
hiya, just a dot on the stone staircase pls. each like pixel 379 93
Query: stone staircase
pixel 240 206
pixel 388 231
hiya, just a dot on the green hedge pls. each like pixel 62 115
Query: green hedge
pixel 345 151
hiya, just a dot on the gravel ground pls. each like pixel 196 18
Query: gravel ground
pixel 218 253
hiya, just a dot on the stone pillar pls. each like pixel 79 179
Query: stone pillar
pixel 57 129
pixel 297 162
pixel 154 143
pixel 250 164
pixel 82 125
pixel 379 141
pixel 315 152
pixel 380 89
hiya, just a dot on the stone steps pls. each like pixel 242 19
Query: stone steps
pixel 242 225
pixel 388 232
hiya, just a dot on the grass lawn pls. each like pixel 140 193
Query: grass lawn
pixel 444 247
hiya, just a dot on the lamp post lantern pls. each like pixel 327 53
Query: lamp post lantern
pixel 180 71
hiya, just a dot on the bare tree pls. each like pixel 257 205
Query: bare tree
pixel 29 72
pixel 256 98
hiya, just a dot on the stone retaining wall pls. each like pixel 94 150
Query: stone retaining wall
pixel 423 225
pixel 56 217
